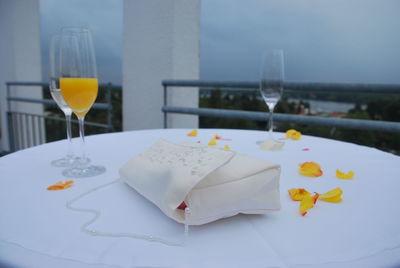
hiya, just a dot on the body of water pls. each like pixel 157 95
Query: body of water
pixel 317 106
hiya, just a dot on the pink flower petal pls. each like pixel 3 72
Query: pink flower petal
pixel 217 137
pixel 306 149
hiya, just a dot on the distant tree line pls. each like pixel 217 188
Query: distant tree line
pixel 380 108
pixel 377 108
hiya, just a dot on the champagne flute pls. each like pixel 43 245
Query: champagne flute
pixel 79 88
pixel 271 88
pixel 55 92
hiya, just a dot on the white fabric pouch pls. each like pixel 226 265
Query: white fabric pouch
pixel 214 183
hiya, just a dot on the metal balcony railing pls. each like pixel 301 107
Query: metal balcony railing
pixel 28 129
pixel 288 118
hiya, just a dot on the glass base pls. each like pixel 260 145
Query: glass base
pixel 271 145
pixel 83 172
pixel 64 162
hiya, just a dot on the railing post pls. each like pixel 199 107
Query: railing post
pixel 7 96
pixel 165 104
pixel 9 125
pixel 110 108
pixel 11 143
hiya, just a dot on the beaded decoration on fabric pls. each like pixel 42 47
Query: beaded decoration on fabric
pixel 198 159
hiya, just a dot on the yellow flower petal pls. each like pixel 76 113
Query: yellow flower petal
pixel 296 136
pixel 213 142
pixel 344 176
pixel 307 203
pixel 298 194
pixel 193 133
pixel 226 147
pixel 336 199
pixel 310 169
pixel 290 132
pixel 332 196
pixel 293 134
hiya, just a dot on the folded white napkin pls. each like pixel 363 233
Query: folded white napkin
pixel 213 183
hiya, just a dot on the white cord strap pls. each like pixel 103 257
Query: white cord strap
pixel 96 214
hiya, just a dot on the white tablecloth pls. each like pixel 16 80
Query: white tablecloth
pixel 37 230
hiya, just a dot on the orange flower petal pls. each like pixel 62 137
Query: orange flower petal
pixel 60 185
pixel 55 187
pixel 298 194
pixel 344 176
pixel 316 196
pixel 310 169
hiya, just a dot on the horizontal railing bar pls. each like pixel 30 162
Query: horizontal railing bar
pixel 41 101
pixel 46 84
pixel 100 106
pixel 12 83
pixel 299 119
pixel 296 86
pixel 216 84
pixel 88 123
pixel 62 119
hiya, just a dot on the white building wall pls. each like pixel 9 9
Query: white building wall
pixel 19 55
pixel 161 41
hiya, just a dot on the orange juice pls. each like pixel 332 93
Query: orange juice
pixel 79 93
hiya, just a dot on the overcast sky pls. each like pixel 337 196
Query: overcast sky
pixel 102 17
pixel 323 40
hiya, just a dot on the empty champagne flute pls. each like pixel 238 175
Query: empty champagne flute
pixel 271 88
pixel 54 64
pixel 79 88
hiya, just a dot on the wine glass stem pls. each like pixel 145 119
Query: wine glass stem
pixel 69 134
pixel 82 138
pixel 270 124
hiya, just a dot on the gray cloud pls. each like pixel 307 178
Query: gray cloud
pixel 323 40
pixel 103 17
pixel 331 41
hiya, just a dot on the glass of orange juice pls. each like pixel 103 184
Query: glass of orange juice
pixel 79 87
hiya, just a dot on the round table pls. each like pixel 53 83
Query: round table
pixel 37 229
